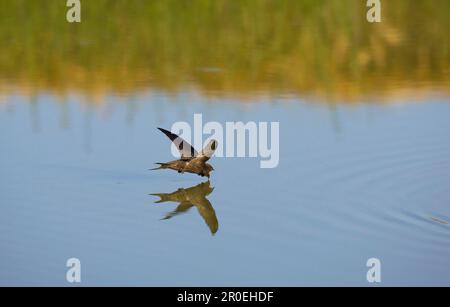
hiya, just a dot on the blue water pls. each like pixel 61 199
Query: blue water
pixel 354 182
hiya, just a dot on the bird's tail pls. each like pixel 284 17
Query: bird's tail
pixel 161 166
pixel 162 197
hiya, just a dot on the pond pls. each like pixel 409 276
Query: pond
pixel 364 147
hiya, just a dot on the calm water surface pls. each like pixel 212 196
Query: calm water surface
pixel 364 168
pixel 353 182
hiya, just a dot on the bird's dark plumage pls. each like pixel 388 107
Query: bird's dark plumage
pixel 191 161
pixel 190 197
pixel 186 150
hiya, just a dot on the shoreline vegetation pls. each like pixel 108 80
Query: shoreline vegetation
pixel 324 49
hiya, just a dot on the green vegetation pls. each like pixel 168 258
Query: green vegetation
pixel 322 48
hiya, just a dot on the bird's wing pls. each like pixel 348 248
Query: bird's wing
pixel 208 214
pixel 208 150
pixel 181 208
pixel 186 150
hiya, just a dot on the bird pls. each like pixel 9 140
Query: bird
pixel 191 161
pixel 190 197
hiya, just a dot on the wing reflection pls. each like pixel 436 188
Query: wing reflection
pixel 190 197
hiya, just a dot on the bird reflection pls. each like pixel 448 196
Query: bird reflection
pixel 190 197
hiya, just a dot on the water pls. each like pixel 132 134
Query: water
pixel 353 182
pixel 364 166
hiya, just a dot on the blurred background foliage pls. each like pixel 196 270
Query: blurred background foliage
pixel 246 48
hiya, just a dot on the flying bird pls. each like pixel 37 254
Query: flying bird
pixel 192 197
pixel 191 161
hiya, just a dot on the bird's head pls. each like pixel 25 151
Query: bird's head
pixel 208 169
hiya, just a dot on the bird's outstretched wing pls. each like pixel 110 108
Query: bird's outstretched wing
pixel 208 151
pixel 207 212
pixel 181 208
pixel 186 150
